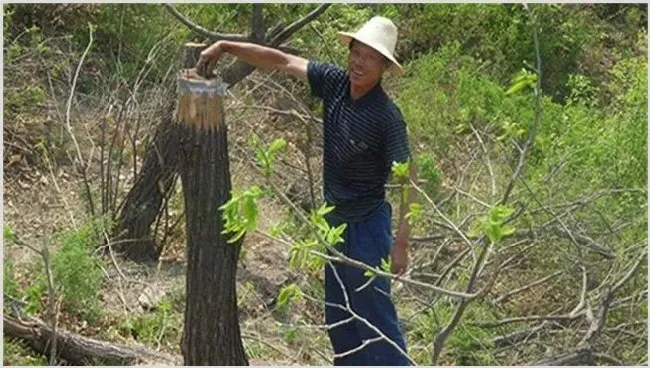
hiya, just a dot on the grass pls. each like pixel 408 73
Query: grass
pixel 17 353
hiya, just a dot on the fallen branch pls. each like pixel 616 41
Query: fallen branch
pixel 80 350
pixel 506 296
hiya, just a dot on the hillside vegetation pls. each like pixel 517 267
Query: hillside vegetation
pixel 533 183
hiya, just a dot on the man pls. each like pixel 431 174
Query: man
pixel 364 133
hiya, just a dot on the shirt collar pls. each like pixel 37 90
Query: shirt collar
pixel 374 93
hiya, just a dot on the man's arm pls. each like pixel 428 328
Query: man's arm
pixel 257 55
pixel 400 250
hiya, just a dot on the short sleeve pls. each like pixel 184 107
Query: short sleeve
pixel 397 145
pixel 323 78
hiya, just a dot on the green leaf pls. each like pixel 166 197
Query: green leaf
pixel 250 209
pixel 517 87
pixel 325 209
pixel 277 145
pixel 288 294
pixel 507 230
pixel 414 214
pixel 400 170
pixel 386 264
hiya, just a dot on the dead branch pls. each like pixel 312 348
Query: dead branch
pixel 630 273
pixel 598 321
pixel 487 161
pixel 508 295
pixel 503 322
pixel 516 337
pixel 83 168
pixel 80 350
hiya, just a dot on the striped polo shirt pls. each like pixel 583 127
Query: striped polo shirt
pixel 362 138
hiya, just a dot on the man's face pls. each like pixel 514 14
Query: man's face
pixel 365 65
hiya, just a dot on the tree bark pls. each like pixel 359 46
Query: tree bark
pixel 211 335
pixel 79 350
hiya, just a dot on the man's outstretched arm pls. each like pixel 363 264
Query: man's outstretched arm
pixel 259 56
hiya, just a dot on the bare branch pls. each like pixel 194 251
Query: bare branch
pixel 215 36
pixel 439 213
pixel 630 273
pixel 359 348
pixel 565 317
pixel 69 126
pixel 295 26
pixel 583 297
pixel 518 336
pixel 487 159
pixel 598 321
pixel 506 296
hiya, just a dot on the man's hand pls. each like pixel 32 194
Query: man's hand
pixel 399 256
pixel 208 59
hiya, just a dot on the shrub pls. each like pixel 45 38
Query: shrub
pixel 77 270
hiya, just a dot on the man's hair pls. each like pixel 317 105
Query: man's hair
pixel 352 41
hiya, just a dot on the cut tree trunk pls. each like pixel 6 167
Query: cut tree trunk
pixel 79 350
pixel 211 335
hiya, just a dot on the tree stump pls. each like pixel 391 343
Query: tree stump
pixel 211 335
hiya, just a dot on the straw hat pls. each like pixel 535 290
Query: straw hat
pixel 379 33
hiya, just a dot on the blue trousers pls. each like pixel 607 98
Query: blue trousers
pixel 369 241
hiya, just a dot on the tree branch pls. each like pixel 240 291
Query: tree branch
pixel 215 36
pixel 295 26
pixel 257 23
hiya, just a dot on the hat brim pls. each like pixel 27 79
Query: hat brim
pixel 346 38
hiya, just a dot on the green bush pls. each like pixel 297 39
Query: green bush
pixel 77 270
pixel 164 326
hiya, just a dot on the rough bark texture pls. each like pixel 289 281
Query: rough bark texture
pixel 211 335
pixel 79 350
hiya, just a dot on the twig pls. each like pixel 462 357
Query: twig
pixel 449 222
pixel 487 159
pixel 359 348
pixel 508 295
pixel 630 273
pixel 69 126
pixel 565 317
pixel 468 195
pixel 583 297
